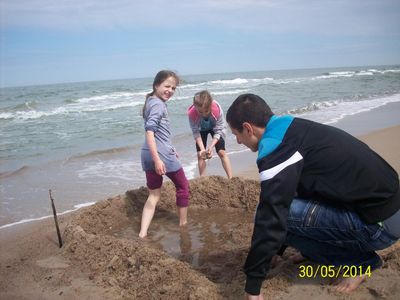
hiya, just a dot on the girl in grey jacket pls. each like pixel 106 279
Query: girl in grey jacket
pixel 158 155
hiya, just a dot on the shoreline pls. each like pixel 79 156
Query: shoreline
pixel 244 162
pixel 92 264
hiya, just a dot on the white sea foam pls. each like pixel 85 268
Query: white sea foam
pixel 82 105
pixel 391 71
pixel 231 92
pixel 113 96
pixel 190 169
pixel 6 115
pixel 226 83
pixel 289 81
pixel 335 75
pixel 364 73
pixel 231 81
pixel 369 72
pixel 331 112
pixel 113 169
pixel 76 207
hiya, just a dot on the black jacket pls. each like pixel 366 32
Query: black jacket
pixel 309 160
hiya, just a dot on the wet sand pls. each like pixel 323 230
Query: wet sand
pixel 102 258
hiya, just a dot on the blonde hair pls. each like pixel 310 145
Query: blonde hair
pixel 202 99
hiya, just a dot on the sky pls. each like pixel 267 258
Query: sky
pixel 54 41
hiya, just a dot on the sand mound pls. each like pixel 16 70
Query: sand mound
pixel 134 269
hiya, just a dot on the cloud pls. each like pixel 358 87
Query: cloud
pixel 363 17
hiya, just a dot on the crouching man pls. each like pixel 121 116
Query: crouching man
pixel 323 192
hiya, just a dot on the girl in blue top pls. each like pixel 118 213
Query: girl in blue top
pixel 158 155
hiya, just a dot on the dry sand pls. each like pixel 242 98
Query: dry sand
pixel 103 259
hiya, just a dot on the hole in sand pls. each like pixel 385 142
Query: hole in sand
pixel 207 243
pixel 203 260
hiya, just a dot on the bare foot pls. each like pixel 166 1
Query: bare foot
pixel 349 284
pixel 143 236
pixel 182 223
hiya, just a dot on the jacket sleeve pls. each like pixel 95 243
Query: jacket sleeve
pixel 195 128
pixel 279 176
pixel 220 124
pixel 193 122
pixel 154 112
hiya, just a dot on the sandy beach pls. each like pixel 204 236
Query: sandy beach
pixel 102 258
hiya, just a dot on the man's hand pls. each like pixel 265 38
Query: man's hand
pixel 251 297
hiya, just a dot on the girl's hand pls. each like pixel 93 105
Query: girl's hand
pixel 209 153
pixel 203 154
pixel 159 167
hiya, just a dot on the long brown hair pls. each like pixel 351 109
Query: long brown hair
pixel 160 78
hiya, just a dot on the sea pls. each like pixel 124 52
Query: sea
pixel 82 140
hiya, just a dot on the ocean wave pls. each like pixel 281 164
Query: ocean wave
pixel 230 81
pixel 312 107
pixel 329 112
pixel 369 72
pixel 190 169
pixel 192 85
pixel 289 81
pixel 99 153
pixel 6 116
pixel 335 75
pixel 16 172
pixel 72 108
pixel 232 92
pixel 113 96
pixel 118 168
pixel 26 105
pixel 70 101
pixel 391 71
pixel 213 93
pixel 224 83
pixel 210 84
pixel 384 71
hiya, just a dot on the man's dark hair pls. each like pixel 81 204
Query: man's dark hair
pixel 248 108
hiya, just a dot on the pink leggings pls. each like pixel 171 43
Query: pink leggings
pixel 154 181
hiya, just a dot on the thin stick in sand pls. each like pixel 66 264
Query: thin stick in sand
pixel 55 219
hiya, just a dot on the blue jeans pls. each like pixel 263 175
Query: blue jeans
pixel 333 236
